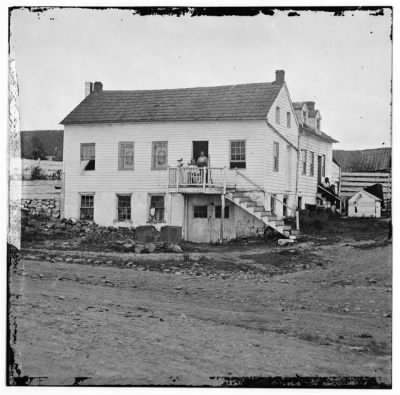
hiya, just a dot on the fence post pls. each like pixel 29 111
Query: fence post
pixel 297 220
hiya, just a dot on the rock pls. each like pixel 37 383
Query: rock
pixel 120 242
pixel 109 262
pixel 175 248
pixel 346 310
pixel 41 275
pixel 139 249
pixel 68 259
pixel 387 315
pixel 128 246
pixel 129 264
pixel 61 297
pixel 150 247
pixel 283 242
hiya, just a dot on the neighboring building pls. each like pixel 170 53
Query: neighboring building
pixel 364 168
pixel 315 162
pixel 124 152
pixel 364 204
pixel 42 144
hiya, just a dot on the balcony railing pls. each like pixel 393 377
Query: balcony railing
pixel 201 177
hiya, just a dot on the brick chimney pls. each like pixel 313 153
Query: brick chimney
pixel 279 76
pixel 88 88
pixel 97 86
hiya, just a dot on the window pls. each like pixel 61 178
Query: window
pixel 304 162
pixel 200 212
pixel 304 117
pixel 318 124
pixel 87 207
pixel 272 204
pixel 157 208
pixel 288 120
pixel 88 156
pixel 323 165
pixel 218 211
pixel 276 156
pixel 126 156
pixel 124 207
pixel 159 154
pixel 312 164
pixel 238 154
pixel 278 115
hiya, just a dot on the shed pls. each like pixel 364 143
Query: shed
pixel 364 204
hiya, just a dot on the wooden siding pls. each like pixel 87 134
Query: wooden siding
pixel 307 184
pixel 283 102
pixel 354 182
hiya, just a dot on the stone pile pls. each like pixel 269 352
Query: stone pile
pixel 45 207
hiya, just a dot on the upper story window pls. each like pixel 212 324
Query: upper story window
pixel 238 154
pixel 304 117
pixel 288 120
pixel 304 162
pixel 278 115
pixel 323 165
pixel 126 156
pixel 88 156
pixel 276 156
pixel 318 124
pixel 159 160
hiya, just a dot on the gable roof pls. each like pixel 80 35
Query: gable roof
pixel 231 102
pixel 369 160
pixel 311 132
pixel 363 191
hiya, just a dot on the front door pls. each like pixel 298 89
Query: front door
pixel 198 147
pixel 319 169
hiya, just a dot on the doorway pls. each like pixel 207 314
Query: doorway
pixel 319 169
pixel 199 146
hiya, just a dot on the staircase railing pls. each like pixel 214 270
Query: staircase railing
pixel 259 187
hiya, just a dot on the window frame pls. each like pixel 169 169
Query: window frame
pixel 312 163
pixel 304 162
pixel 153 157
pixel 120 161
pixel 226 212
pixel 288 119
pixel 275 161
pixel 323 170
pixel 155 220
pixel 86 194
pixel 231 161
pixel 278 115
pixel 118 195
pixel 197 207
pixel 82 159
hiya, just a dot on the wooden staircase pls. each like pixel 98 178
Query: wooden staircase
pixel 243 200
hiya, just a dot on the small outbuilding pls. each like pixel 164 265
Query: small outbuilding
pixel 364 204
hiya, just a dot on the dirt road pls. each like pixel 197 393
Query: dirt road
pixel 125 326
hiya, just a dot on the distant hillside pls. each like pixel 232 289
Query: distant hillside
pixel 368 160
pixel 42 143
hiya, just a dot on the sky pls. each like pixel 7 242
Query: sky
pixel 343 63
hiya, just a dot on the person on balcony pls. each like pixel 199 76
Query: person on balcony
pixel 202 160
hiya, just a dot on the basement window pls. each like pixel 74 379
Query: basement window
pixel 238 154
pixel 88 156
pixel 87 207
pixel 124 207
pixel 157 208
pixel 200 212
pixel 218 212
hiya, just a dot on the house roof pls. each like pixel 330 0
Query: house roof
pixel 311 132
pixel 231 102
pixel 298 105
pixel 369 160
pixel 363 191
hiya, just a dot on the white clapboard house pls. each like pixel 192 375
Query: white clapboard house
pixel 127 156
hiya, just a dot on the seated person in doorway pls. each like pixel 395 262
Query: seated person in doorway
pixel 202 160
pixel 327 185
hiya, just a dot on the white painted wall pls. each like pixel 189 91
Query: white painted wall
pixel 363 205
pixel 307 184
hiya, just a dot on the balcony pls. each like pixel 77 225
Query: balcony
pixel 201 179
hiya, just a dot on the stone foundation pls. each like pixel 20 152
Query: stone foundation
pixel 47 207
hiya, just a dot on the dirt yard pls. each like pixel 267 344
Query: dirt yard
pixel 318 308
